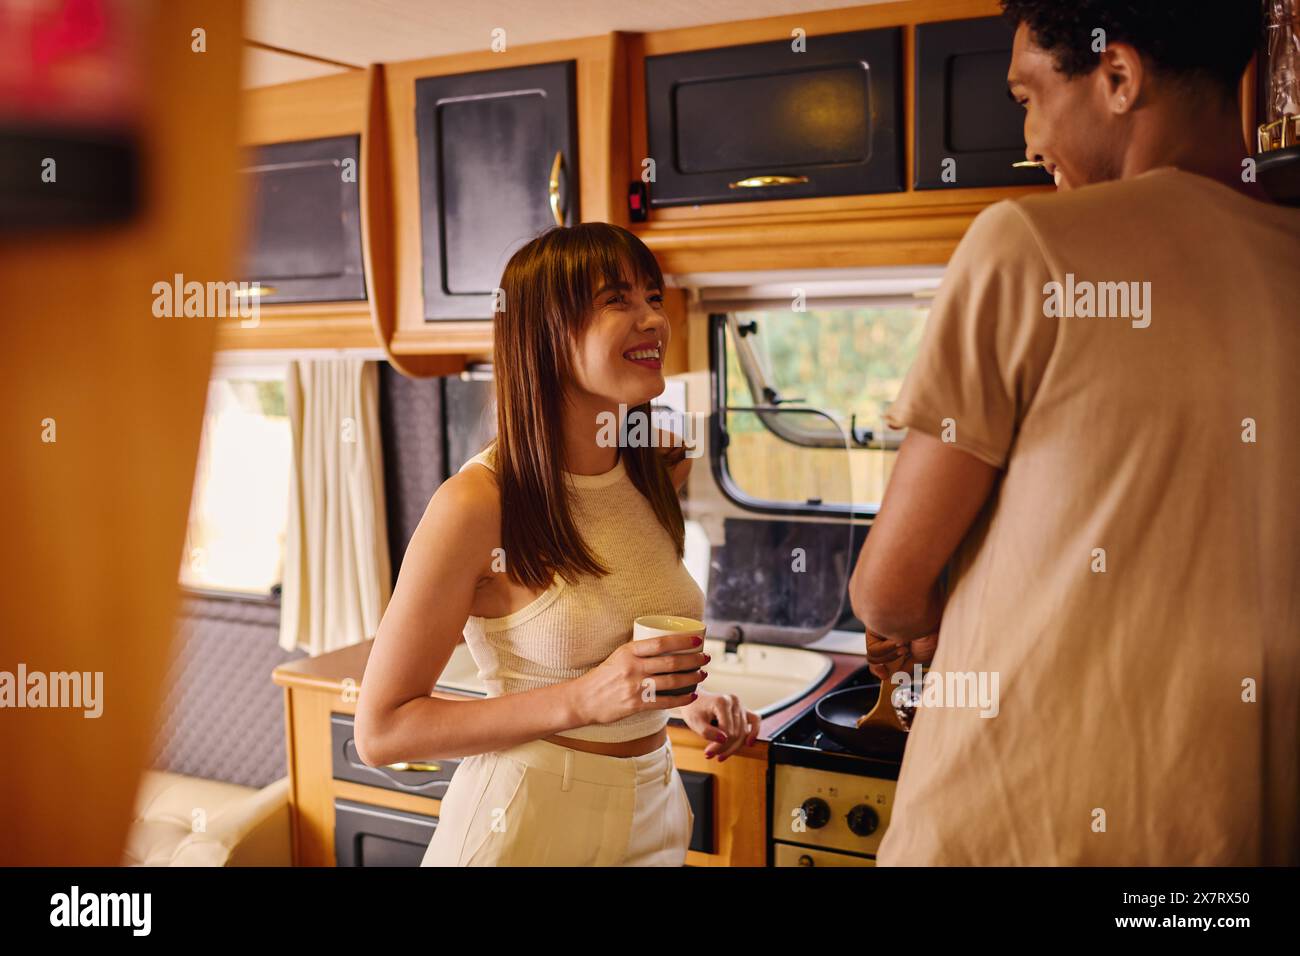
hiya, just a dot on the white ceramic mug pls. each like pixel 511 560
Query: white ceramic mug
pixel 662 625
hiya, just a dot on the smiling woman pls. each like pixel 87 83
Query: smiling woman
pixel 541 552
pixel 574 335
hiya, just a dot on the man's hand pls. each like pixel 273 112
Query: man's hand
pixel 886 657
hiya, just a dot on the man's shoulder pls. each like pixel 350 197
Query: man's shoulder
pixel 1051 225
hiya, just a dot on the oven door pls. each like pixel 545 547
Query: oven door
pixel 785 854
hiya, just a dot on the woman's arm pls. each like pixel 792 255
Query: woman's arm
pixel 396 718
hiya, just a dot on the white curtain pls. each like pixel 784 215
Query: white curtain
pixel 337 577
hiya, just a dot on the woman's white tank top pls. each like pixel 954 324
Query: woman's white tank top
pixel 569 629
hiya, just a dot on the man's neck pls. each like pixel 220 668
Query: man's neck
pixel 1204 139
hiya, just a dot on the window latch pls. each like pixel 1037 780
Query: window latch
pixel 773 397
pixel 862 437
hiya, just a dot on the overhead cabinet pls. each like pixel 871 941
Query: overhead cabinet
pixel 497 153
pixel 819 115
pixel 969 131
pixel 305 239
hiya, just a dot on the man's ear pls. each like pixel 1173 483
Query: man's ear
pixel 1122 75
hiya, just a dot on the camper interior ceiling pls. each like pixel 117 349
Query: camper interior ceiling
pixel 741 435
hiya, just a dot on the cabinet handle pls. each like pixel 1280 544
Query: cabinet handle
pixel 415 765
pixel 554 188
pixel 754 182
pixel 253 291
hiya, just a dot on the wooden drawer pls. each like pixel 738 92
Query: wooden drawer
pixel 347 765
pixel 368 835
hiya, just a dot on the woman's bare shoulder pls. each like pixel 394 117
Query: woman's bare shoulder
pixel 474 491
pixel 465 509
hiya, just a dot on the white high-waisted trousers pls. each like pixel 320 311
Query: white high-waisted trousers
pixel 543 804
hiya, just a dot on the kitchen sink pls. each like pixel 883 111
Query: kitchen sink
pixel 766 677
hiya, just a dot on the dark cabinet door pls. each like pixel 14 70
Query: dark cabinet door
pixel 763 121
pixel 967 125
pixel 305 241
pixel 368 835
pixel 490 146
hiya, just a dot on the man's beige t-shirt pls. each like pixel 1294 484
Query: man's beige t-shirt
pixel 1134 579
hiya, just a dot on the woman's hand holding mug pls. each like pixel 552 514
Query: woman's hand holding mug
pixel 642 674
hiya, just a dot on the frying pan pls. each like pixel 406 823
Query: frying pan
pixel 838 713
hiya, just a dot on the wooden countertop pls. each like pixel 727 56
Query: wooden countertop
pixel 328 672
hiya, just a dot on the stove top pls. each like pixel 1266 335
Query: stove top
pixel 802 743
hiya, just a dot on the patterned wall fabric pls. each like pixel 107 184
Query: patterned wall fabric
pixel 410 413
pixel 223 716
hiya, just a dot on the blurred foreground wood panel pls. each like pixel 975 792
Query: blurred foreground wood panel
pixel 94 522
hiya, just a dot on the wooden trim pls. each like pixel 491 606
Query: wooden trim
pixel 311 57
pixel 378 255
pixel 389 799
pixel 456 338
pixel 1249 96
pixel 843 20
pixel 617 108
pixel 307 109
pixel 291 761
pixel 314 325
pixel 677 360
pixel 916 236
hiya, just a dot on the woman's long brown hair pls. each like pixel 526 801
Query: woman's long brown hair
pixel 549 285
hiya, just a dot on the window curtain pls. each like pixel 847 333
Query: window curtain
pixel 337 576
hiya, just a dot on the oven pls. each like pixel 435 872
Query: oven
pixel 827 805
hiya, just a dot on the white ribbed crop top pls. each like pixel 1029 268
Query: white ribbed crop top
pixel 569 629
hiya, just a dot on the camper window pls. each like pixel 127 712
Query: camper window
pixel 800 397
pixel 239 510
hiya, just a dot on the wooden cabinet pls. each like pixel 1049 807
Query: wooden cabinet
pixel 497 151
pixel 457 156
pixel 820 115
pixel 346 813
pixel 305 238
pixel 969 132
pixel 903 226
pixel 473 140
pixel 314 232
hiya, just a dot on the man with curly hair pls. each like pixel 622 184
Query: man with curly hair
pixel 1103 449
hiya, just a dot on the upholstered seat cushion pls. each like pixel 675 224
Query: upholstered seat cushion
pixel 189 821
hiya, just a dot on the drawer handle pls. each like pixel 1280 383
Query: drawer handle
pixel 554 188
pixel 253 291
pixel 415 766
pixel 754 182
